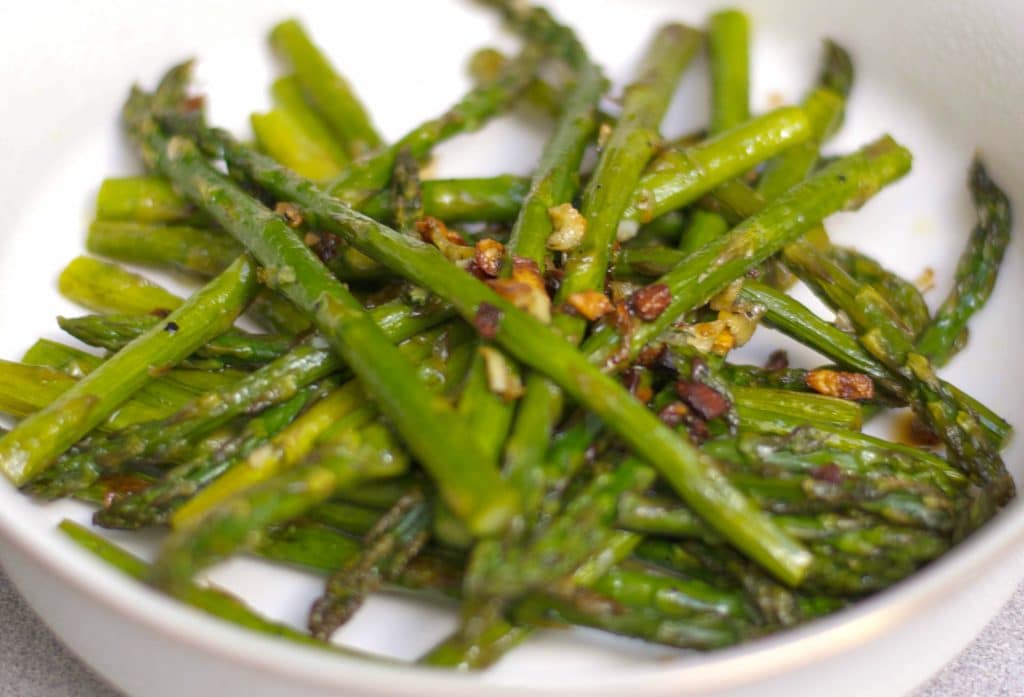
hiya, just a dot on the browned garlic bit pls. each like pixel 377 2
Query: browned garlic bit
pixel 290 212
pixel 835 383
pixel 590 304
pixel 570 227
pixel 650 301
pixel 448 241
pixel 487 257
pixel 486 320
pixel 706 401
pixel 524 296
pixel 502 379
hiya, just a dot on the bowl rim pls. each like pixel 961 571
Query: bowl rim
pixel 757 660
pixel 731 667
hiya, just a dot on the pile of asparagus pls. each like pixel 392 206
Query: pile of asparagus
pixel 513 393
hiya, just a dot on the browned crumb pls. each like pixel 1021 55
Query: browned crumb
pixel 673 413
pixel 527 271
pixel 706 401
pixel 290 212
pixel 650 301
pixel 433 230
pixel 327 247
pixel 488 256
pixel 486 320
pixel 590 303
pixel 835 383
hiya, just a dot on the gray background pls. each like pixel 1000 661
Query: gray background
pixel 34 664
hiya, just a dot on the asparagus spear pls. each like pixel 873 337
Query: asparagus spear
pixel 209 599
pixel 194 250
pixel 976 270
pixel 330 92
pixel 728 49
pixel 623 158
pixel 242 521
pixel 394 541
pixel 468 483
pixel 234 348
pixel 792 318
pixel 38 440
pixel 164 393
pixel 864 172
pixel 289 96
pixel 155 503
pixel 104 287
pixel 237 348
pixel 554 183
pixel 889 341
pixel 283 138
pixel 486 199
pixel 561 547
pixel 26 389
pixel 172 438
pixel 336 413
pixel 845 183
pixel 142 199
pixel 902 295
pixel 365 176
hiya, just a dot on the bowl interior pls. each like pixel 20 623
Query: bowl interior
pixel 945 82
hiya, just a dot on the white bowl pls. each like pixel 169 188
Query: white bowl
pixel 943 78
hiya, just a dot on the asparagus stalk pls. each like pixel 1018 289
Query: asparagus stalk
pixel 795 320
pixel 976 271
pixel 846 183
pixel 26 389
pixel 338 412
pixel 193 250
pixel 331 93
pixel 554 183
pixel 289 97
pixel 164 393
pixel 235 348
pixel 365 176
pixel 485 199
pixel 623 157
pixel 728 50
pixel 108 288
pixel 468 483
pixel 172 438
pixel 103 287
pixel 561 547
pixel 902 295
pixel 889 341
pixel 283 138
pixel 209 599
pixel 533 343
pixel 40 439
pixel 155 503
pixel 390 546
pixel 142 199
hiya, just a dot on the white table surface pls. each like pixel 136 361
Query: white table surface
pixel 33 663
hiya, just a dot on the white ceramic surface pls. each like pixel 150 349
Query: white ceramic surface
pixel 944 78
